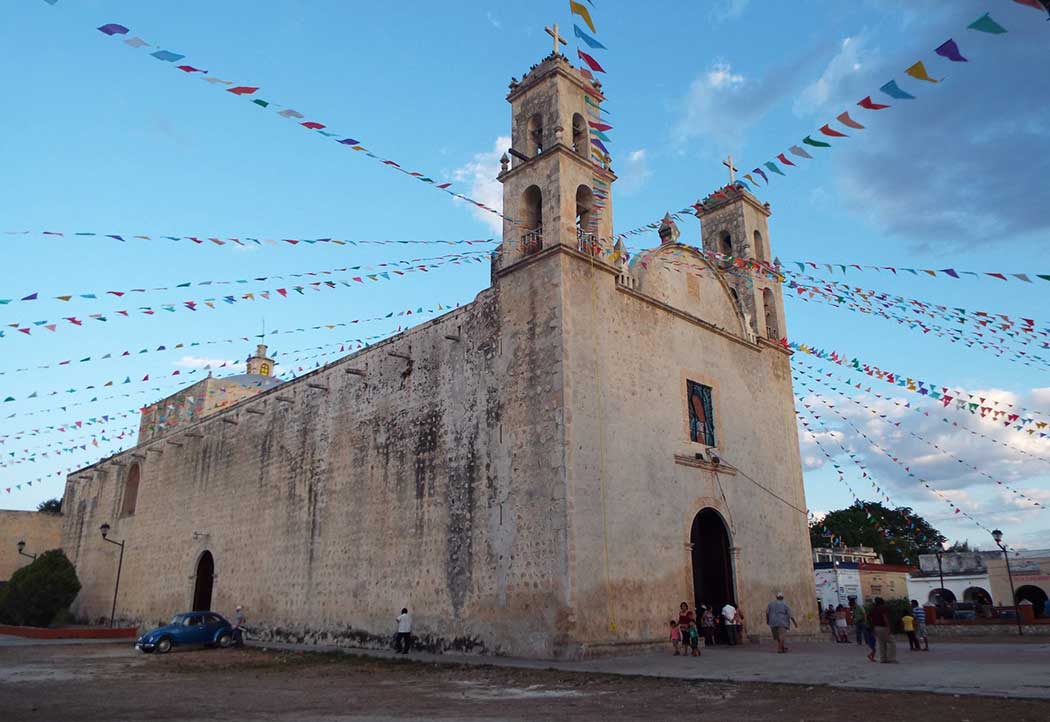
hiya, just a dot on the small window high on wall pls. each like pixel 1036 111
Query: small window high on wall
pixel 701 414
pixel 131 492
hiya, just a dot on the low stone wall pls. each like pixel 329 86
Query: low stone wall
pixel 986 629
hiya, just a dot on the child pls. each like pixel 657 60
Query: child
pixel 707 621
pixel 908 622
pixel 694 639
pixel 841 635
pixel 676 636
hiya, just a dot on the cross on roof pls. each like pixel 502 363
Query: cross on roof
pixel 553 32
pixel 728 163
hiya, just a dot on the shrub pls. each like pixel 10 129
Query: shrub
pixel 37 593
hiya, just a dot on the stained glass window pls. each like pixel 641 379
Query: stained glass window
pixel 701 414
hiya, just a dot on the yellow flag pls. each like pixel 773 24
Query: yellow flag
pixel 918 71
pixel 580 10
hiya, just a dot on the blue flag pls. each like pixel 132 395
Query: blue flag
pixel 591 42
pixel 893 90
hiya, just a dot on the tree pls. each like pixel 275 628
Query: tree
pixel 963 546
pixel 51 506
pixel 39 591
pixel 899 535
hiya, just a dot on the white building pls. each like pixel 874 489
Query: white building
pixel 836 583
pixel 965 578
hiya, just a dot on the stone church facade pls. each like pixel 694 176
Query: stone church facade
pixel 547 471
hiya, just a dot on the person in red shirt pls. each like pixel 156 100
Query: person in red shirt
pixel 882 622
pixel 685 618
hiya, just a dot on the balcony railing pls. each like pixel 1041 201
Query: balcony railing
pixel 532 241
pixel 587 243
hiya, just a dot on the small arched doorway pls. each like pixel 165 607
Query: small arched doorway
pixel 712 565
pixel 977 595
pixel 203 583
pixel 941 596
pixel 1033 594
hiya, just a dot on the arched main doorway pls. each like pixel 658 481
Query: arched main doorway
pixel 712 565
pixel 202 585
pixel 1033 594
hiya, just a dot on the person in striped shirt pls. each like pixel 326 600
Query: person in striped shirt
pixel 919 613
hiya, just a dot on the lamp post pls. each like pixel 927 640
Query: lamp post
pixel 998 536
pixel 105 537
pixel 21 546
pixel 940 571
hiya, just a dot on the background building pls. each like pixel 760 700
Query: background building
pixel 41 532
pixel 1031 573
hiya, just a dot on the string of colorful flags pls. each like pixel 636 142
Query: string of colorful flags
pixel 907 469
pixel 279 356
pixel 249 93
pixel 233 242
pixel 401 264
pixel 816 378
pixel 214 302
pixel 30 457
pixel 907 406
pixel 1018 417
pixel 864 472
pixel 57 474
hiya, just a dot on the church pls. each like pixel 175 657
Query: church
pixel 547 471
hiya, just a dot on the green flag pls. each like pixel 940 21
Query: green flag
pixel 819 144
pixel 985 24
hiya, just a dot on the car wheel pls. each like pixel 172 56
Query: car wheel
pixel 225 640
pixel 163 646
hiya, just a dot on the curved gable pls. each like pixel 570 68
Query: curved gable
pixel 683 278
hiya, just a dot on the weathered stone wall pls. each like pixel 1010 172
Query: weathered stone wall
pixel 627 360
pixel 332 501
pixel 40 532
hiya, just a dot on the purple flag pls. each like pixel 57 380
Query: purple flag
pixel 948 49
pixel 113 29
pixel 348 141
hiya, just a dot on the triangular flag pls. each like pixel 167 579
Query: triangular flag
pixel 870 104
pixel 893 90
pixel 918 71
pixel 574 7
pixel 848 121
pixel 948 49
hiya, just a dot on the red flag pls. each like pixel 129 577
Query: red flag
pixel 599 126
pixel 869 104
pixel 996 275
pixel 241 90
pixel 190 69
pixel 828 130
pixel 591 62
pixel 848 121
pixel 312 125
pixel 784 160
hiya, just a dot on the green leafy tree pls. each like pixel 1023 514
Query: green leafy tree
pixel 40 591
pixel 51 506
pixel 856 526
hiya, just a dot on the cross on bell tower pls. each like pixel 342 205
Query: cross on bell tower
pixel 557 189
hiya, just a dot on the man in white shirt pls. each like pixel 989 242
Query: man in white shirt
pixel 729 615
pixel 404 632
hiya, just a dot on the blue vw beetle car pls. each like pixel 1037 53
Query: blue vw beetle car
pixel 191 629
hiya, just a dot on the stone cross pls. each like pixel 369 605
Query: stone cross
pixel 553 32
pixel 728 163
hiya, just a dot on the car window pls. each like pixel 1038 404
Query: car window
pixel 213 619
pixel 193 620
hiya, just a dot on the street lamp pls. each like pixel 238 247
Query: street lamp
pixel 940 570
pixel 21 546
pixel 105 537
pixel 998 536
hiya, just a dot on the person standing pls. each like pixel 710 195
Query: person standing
pixel 908 624
pixel 882 622
pixel 919 613
pixel 238 626
pixel 779 618
pixel 685 618
pixel 860 619
pixel 404 632
pixel 676 637
pixel 707 625
pixel 729 615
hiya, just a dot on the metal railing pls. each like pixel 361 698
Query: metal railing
pixel 532 241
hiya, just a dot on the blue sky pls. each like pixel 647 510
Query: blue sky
pixel 98 136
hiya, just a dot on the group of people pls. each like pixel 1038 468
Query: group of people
pixel 726 625
pixel 875 628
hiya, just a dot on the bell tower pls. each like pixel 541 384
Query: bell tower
pixel 557 178
pixel 734 226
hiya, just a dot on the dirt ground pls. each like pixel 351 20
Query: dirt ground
pixel 110 683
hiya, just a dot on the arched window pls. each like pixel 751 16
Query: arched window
pixel 264 370
pixel 585 219
pixel 736 296
pixel 760 250
pixel 725 244
pixel 772 324
pixel 131 491
pixel 579 135
pixel 532 210
pixel 535 132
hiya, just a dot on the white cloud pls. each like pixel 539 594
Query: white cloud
pixel 480 172
pixel 493 21
pixel 200 362
pixel 834 86
pixel 634 172
pixel 730 9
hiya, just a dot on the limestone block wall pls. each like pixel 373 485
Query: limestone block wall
pixel 40 532
pixel 434 481
pixel 627 360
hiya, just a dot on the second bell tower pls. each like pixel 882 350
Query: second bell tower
pixel 557 183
